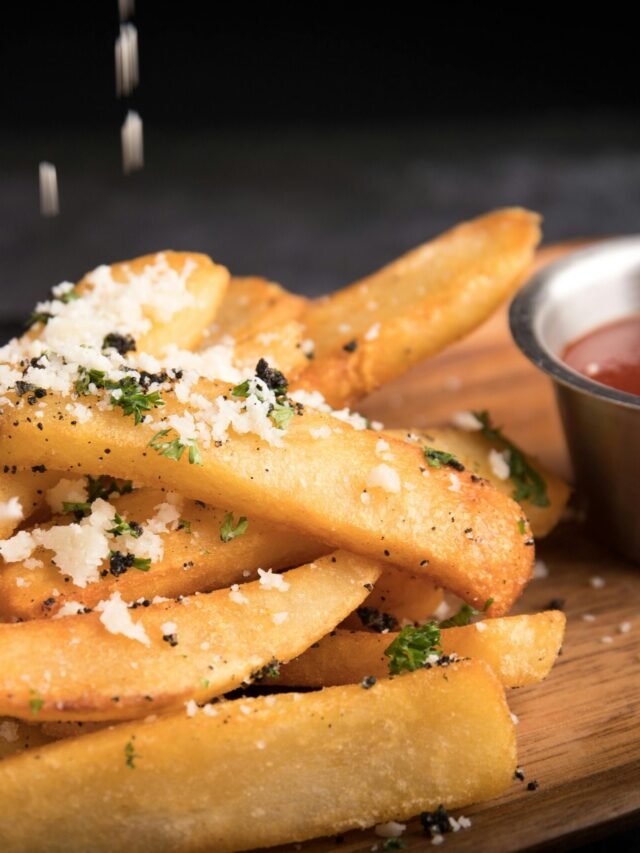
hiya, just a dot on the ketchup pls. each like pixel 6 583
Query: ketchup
pixel 609 354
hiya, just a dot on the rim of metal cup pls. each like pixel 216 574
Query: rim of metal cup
pixel 524 314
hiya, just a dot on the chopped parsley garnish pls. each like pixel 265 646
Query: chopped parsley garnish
pixel 269 670
pixel 522 526
pixel 437 822
pixel 97 487
pixel 35 703
pixel 125 528
pixel 130 755
pixel 174 449
pixel 185 525
pixel 127 393
pixel 394 844
pixel 529 485
pixel 227 529
pixel 412 647
pixel 119 563
pixel 465 614
pixel 438 458
pixel 281 411
pixel 38 317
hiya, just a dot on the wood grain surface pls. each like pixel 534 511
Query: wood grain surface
pixel 579 731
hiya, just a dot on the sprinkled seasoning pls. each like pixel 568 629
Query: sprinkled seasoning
pixel 375 620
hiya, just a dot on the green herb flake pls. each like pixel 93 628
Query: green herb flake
pixel 438 458
pixel 227 529
pixel 125 528
pixel 411 648
pixel 394 844
pixel 281 411
pixel 36 702
pixel 529 484
pixel 143 564
pixel 175 449
pixel 127 393
pixel 522 526
pixel 130 755
pixel 465 614
pixel 185 525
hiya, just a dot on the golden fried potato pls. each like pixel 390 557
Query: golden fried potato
pixel 281 346
pixel 28 488
pixel 473 542
pixel 252 306
pixel 206 281
pixel 191 650
pixel 376 329
pixel 195 560
pixel 267 771
pixel 520 650
pixel 398 594
pixel 473 451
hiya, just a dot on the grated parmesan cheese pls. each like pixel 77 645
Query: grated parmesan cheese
pixel 384 477
pixel 466 421
pixel 11 510
pixel 116 618
pixel 269 580
pixel 279 618
pixel 236 596
pixel 499 463
pixel 66 491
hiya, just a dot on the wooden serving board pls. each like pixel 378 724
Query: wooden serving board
pixel 579 731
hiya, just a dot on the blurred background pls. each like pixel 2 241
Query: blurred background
pixel 303 147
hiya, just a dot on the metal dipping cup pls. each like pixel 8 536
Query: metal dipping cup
pixel 560 303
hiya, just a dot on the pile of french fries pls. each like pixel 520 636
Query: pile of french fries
pixel 222 593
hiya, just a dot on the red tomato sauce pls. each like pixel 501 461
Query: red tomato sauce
pixel 609 354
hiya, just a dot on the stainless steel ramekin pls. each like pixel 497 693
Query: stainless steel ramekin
pixel 602 426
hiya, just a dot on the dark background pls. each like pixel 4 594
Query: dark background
pixel 308 144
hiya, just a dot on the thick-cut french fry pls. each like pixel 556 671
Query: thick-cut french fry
pixel 195 560
pixel 456 529
pixel 17 736
pixel 520 650
pixel 473 450
pixel 205 281
pixel 399 594
pixel 282 347
pixel 266 771
pixel 379 327
pixel 191 650
pixel 251 306
pixel 25 486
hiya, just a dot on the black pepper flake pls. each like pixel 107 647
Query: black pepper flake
pixel 48 602
pixel 172 639
pixel 519 774
pixel 424 562
pixel 533 785
pixel 372 618
pixel 22 387
pixel 272 378
pixel 368 681
pixel 437 822
pixel 40 426
pixel 368 586
pixel 352 346
pixel 119 563
pixel 120 343
pixel 555 604
pixel 387 553
pixel 38 469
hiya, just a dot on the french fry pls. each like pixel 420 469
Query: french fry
pixel 28 488
pixel 379 327
pixel 282 347
pixel 16 736
pixel 520 650
pixel 473 449
pixel 267 771
pixel 191 650
pixel 206 282
pixel 399 594
pixel 252 306
pixel 473 542
pixel 195 560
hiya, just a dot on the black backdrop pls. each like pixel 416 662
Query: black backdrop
pixel 308 142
